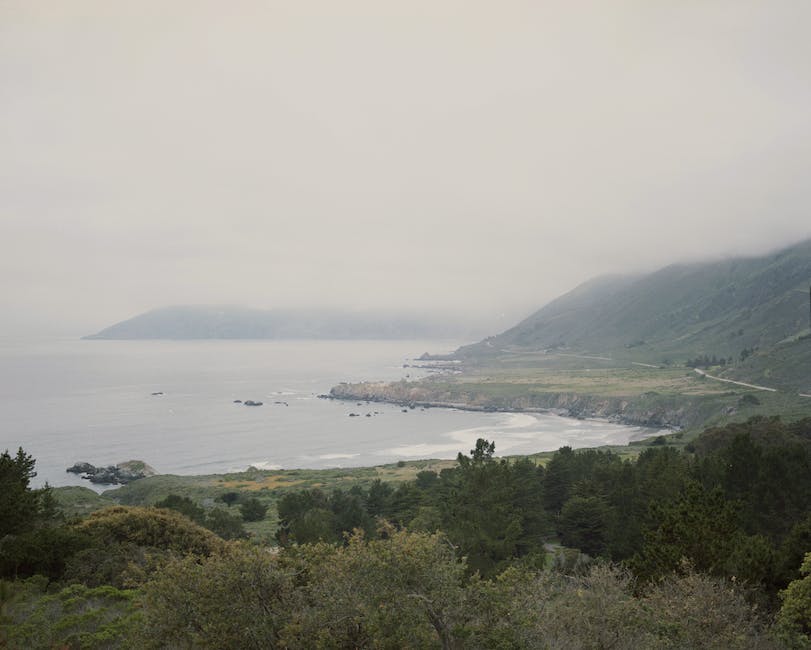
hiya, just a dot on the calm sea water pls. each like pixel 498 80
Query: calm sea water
pixel 67 401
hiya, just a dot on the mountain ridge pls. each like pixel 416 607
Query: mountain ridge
pixel 181 322
pixel 720 307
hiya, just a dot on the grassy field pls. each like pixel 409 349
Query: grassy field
pixel 590 384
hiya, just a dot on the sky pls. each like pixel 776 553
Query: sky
pixel 468 158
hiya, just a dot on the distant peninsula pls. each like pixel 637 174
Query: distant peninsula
pixel 228 322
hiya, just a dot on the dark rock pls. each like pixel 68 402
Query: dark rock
pixel 113 474
pixel 160 392
pixel 81 468
pixel 237 401
pixel 250 402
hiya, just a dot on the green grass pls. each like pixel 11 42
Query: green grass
pixel 78 501
pixel 267 486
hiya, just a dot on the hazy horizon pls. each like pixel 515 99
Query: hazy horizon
pixel 468 159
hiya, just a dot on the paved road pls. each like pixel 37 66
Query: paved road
pixel 737 383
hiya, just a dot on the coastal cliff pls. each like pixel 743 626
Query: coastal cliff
pixel 650 410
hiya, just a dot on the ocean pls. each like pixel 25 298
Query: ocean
pixel 65 401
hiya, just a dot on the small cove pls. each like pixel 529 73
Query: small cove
pixel 66 401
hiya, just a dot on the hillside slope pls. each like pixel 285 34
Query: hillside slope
pixel 717 308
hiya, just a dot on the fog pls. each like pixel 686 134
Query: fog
pixel 469 158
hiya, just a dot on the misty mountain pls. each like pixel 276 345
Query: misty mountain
pixel 215 322
pixel 721 308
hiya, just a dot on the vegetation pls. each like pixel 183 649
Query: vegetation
pixel 677 313
pixel 669 396
pixel 704 546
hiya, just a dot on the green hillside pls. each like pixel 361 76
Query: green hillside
pixel 785 366
pixel 716 308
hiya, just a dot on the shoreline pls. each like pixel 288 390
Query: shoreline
pixel 615 410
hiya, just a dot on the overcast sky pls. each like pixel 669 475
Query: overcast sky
pixel 474 157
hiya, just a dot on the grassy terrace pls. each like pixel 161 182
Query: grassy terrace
pixel 599 381
pixel 520 377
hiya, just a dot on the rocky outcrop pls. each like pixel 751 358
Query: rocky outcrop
pixel 649 410
pixel 122 473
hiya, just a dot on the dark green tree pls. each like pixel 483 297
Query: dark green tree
pixel 583 524
pixel 20 506
pixel 185 506
pixel 558 480
pixel 253 510
pixel 31 537
pixel 378 499
pixel 794 618
pixel 225 524
pixel 700 527
pixel 229 498
pixel 478 509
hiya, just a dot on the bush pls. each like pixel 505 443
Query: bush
pixel 154 527
pixel 74 617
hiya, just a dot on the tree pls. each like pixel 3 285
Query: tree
pixel 558 479
pixel 185 506
pixel 701 527
pixel 19 504
pixel 312 516
pixel 483 453
pixel 149 527
pixel 694 610
pixel 229 498
pixel 479 512
pixel 30 540
pixel 794 618
pixel 378 499
pixel 583 524
pixel 253 510
pixel 224 524
pixel 241 598
pixel 401 591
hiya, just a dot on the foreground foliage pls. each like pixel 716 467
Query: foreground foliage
pixel 709 548
pixel 410 590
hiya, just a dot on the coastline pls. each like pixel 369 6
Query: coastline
pixel 665 413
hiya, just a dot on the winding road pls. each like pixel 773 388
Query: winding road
pixel 698 370
pixel 738 383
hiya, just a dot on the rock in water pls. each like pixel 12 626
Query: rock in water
pixel 81 468
pixel 125 472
